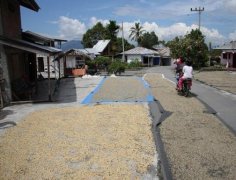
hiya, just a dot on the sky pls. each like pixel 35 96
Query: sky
pixel 70 19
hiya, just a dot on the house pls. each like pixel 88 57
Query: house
pixel 228 55
pixel 165 58
pixel 74 62
pixel 146 56
pixel 103 47
pixel 56 67
pixel 18 55
pixel 74 59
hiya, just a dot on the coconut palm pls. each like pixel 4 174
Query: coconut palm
pixel 136 33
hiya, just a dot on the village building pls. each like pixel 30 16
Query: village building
pixel 75 59
pixel 165 58
pixel 228 55
pixel 147 57
pixel 18 53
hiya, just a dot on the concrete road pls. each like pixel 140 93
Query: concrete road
pixel 223 103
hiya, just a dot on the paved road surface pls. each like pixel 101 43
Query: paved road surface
pixel 222 102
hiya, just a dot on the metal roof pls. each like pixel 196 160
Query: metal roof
pixel 140 51
pixel 228 46
pixel 34 37
pixel 101 45
pixel 30 47
pixel 92 51
pixel 165 52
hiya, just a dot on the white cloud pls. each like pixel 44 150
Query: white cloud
pixel 230 5
pixel 177 29
pixel 94 21
pixel 232 36
pixel 74 29
pixel 71 28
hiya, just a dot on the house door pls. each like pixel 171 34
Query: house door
pixel 234 60
pixel 32 67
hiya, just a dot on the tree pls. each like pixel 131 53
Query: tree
pixel 148 40
pixel 99 32
pixel 91 37
pixel 136 33
pixel 196 48
pixel 127 45
pixel 177 47
pixel 192 46
pixel 111 30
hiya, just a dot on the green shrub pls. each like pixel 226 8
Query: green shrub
pixel 134 64
pixel 117 66
pixel 102 62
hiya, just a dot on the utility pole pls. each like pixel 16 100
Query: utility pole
pixel 123 45
pixel 199 10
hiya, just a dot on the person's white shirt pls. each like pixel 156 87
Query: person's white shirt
pixel 188 72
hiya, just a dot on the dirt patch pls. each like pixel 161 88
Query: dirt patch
pixel 100 142
pixel 198 145
pixel 224 80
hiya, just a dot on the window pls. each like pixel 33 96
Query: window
pixel 224 55
pixel 79 62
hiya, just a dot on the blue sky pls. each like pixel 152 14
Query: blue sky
pixel 70 19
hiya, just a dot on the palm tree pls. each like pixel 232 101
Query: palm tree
pixel 136 33
pixel 112 30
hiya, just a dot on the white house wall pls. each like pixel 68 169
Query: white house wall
pixel 54 66
pixel 228 59
pixel 131 58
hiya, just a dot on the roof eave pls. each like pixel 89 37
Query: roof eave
pixel 26 46
pixel 30 4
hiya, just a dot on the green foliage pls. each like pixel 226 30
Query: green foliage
pixel 148 40
pixel 127 45
pixel 117 66
pixel 192 46
pixel 102 62
pixel 91 37
pixel 215 53
pixel 111 30
pixel 92 67
pixel 136 33
pixel 134 64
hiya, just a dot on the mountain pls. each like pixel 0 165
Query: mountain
pixel 73 44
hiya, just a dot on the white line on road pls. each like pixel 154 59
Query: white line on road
pixel 163 76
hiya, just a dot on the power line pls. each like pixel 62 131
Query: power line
pixel 199 10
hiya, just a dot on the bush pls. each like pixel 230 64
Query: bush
pixel 92 68
pixel 134 64
pixel 102 62
pixel 117 66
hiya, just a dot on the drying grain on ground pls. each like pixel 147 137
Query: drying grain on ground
pixel 101 141
pixel 224 80
pixel 197 144
pixel 125 89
